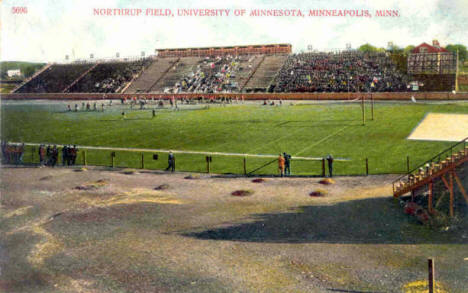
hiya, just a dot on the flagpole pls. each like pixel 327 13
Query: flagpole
pixel 456 74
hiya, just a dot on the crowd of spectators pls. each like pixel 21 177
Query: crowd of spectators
pixel 109 77
pixel 339 72
pixel 49 156
pixel 215 75
pixel 12 153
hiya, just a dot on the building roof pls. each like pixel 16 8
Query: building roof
pixel 430 49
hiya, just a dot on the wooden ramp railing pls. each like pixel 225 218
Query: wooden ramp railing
pixel 442 164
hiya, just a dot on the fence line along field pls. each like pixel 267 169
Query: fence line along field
pixel 307 129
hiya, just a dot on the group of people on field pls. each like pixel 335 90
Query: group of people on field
pixel 49 156
pixel 12 153
pixel 284 164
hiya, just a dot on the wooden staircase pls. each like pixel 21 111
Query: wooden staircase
pixel 252 73
pixel 442 165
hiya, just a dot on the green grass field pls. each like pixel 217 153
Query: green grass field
pixel 307 130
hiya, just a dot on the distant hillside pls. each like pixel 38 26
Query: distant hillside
pixel 27 68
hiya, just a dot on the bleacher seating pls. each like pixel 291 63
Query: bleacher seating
pixel 217 74
pixel 109 77
pixel 184 66
pixel 266 72
pixel 54 79
pixel 340 72
pixel 148 79
pixel 306 72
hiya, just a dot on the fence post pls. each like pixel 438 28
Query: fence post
pixel 431 269
pixel 142 161
pixel 323 167
pixel 245 166
pixel 33 150
pixel 84 158
pixel 112 160
pixel 208 164
pixel 407 164
pixel 367 166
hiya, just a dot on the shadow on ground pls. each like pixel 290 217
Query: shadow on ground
pixel 371 221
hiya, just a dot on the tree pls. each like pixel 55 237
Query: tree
pixel 408 49
pixel 367 48
pixel 462 52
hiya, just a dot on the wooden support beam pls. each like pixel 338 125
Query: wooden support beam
pixel 439 200
pixel 451 194
pixel 445 182
pixel 460 185
pixel 429 199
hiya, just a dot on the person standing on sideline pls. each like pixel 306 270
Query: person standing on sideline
pixel 73 154
pixel 281 164
pixel 330 165
pixel 64 155
pixel 154 113
pixel 287 164
pixel 41 154
pixel 123 115
pixel 171 162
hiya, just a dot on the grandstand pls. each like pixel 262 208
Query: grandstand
pixel 340 72
pixel 183 66
pixel 264 75
pixel 246 69
pixel 54 79
pixel 150 77
pixel 108 77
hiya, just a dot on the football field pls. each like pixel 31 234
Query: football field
pixel 307 130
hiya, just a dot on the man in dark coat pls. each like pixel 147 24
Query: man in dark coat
pixel 330 165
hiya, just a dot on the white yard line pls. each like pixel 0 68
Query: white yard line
pixel 180 151
pixel 323 139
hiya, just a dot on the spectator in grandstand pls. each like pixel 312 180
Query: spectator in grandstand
pixel 330 165
pixel 171 162
pixel 281 163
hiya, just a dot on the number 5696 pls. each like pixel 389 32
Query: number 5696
pixel 19 10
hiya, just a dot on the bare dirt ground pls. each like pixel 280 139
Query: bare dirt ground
pixel 441 127
pixel 104 230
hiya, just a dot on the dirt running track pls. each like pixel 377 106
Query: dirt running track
pixel 102 230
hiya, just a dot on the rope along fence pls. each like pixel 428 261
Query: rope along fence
pixel 204 162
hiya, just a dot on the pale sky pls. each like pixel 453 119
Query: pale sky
pixel 52 29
